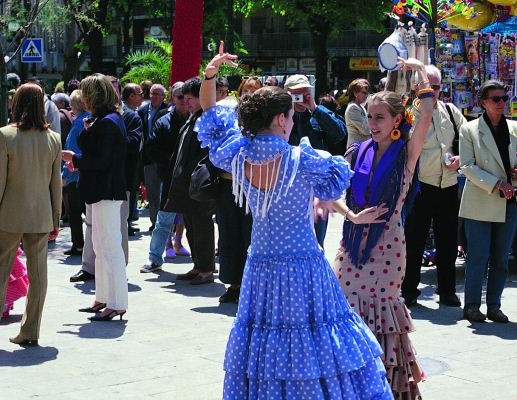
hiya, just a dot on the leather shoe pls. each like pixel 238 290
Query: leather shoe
pixel 23 342
pixel 450 300
pixel 231 295
pixel 410 301
pixel 496 315
pixel 472 313
pixel 74 252
pixel 200 280
pixel 82 276
pixel 187 277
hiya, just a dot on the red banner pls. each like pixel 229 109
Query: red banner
pixel 186 40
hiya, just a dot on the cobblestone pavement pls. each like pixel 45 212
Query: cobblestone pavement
pixel 171 342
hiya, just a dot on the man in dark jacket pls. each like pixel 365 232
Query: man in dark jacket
pixel 161 145
pixel 197 215
pixel 150 113
pixel 320 125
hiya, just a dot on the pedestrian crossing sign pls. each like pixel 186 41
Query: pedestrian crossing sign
pixel 32 50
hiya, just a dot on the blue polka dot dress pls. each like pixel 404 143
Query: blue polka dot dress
pixel 295 336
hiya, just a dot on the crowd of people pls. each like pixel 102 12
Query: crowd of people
pixel 280 161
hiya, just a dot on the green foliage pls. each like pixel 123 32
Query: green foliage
pixel 338 15
pixel 224 69
pixel 153 63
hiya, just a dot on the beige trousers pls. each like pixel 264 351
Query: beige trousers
pixel 35 246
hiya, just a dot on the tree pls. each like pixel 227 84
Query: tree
pixel 324 19
pixel 152 64
pixel 21 18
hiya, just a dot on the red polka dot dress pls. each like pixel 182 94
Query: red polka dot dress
pixel 373 290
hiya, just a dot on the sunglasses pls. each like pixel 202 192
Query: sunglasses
pixel 436 87
pixel 497 99
pixel 250 77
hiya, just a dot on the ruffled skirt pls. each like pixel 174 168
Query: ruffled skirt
pixel 296 337
pixel 17 285
pixel 391 323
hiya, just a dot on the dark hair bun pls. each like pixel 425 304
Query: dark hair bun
pixel 256 111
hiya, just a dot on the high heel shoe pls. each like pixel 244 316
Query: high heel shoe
pixel 23 342
pixel 108 317
pixel 94 309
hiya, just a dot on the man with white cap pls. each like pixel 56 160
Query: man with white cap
pixel 318 123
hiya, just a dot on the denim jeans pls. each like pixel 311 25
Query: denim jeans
pixel 489 246
pixel 162 230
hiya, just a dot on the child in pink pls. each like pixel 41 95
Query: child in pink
pixel 17 286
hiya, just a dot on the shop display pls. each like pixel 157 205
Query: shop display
pixel 474 40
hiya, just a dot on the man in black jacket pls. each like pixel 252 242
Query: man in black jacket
pixel 150 113
pixel 161 145
pixel 197 215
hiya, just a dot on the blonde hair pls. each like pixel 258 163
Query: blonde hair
pixel 76 97
pixel 99 95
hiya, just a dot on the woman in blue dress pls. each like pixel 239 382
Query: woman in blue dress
pixel 295 336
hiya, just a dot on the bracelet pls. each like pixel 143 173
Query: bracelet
pixel 346 215
pixel 425 96
pixel 206 78
pixel 423 91
pixel 422 82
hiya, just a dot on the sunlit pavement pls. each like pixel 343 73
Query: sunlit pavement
pixel 171 342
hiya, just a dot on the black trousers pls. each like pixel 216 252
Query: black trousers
pixel 200 236
pixel 439 206
pixel 76 208
pixel 234 235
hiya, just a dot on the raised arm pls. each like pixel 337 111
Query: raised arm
pixel 425 100
pixel 207 91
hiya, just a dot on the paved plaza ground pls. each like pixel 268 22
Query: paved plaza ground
pixel 171 342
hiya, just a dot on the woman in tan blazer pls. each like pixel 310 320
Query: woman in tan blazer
pixel 488 147
pixel 30 200
pixel 355 114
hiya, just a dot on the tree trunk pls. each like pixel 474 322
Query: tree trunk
pixel 93 38
pixel 319 33
pixel 3 89
pixel 72 58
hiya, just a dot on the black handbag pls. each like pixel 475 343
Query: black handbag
pixel 204 182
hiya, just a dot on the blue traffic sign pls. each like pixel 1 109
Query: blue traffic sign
pixel 32 50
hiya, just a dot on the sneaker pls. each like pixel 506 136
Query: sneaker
pixel 170 253
pixel 150 268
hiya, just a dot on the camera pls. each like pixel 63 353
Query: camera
pixel 297 98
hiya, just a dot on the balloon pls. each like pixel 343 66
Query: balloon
pixel 483 15
pixel 503 2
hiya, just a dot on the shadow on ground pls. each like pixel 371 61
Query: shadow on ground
pixel 27 356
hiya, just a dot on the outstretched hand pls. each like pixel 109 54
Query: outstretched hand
pixel 221 58
pixel 370 215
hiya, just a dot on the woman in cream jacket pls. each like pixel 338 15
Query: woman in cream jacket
pixel 488 147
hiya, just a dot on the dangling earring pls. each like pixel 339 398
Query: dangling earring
pixel 395 133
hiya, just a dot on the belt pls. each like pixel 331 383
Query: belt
pixel 226 175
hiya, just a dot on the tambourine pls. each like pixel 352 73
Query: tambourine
pixel 389 51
